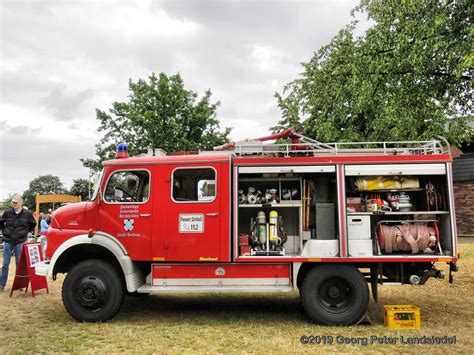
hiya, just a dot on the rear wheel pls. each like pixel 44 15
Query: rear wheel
pixel 335 294
pixel 93 291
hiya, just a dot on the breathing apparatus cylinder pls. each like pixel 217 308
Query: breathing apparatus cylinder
pixel 273 227
pixel 261 221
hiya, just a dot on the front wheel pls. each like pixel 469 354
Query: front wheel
pixel 93 291
pixel 335 294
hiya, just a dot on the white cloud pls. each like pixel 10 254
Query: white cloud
pixel 266 58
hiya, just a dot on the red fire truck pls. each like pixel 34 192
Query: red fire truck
pixel 324 219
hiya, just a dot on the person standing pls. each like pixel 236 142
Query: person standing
pixel 40 218
pixel 44 226
pixel 15 224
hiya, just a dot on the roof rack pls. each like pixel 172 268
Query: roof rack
pixel 314 148
pixel 302 145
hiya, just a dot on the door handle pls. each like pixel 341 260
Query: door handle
pixel 212 214
pixel 145 214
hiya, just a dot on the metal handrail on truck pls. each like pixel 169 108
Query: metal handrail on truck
pixel 345 148
pixel 303 145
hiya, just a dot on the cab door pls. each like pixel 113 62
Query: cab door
pixel 126 209
pixel 193 213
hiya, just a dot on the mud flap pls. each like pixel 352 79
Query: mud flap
pixel 374 275
pixel 453 267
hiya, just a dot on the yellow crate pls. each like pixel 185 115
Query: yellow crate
pixel 402 316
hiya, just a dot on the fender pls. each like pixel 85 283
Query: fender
pixel 133 276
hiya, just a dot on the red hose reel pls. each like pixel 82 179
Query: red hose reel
pixel 414 237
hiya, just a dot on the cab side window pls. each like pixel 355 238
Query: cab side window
pixel 128 187
pixel 190 185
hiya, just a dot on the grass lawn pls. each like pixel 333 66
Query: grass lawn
pixel 240 323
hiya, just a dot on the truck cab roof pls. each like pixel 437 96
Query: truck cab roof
pixel 169 159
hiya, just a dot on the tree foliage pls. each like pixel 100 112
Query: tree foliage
pixel 80 187
pixel 7 203
pixel 159 113
pixel 409 77
pixel 43 185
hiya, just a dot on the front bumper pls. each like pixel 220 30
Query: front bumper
pixel 41 268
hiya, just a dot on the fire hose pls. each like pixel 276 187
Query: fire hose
pixel 404 237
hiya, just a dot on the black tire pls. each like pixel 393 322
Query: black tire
pixel 335 294
pixel 93 291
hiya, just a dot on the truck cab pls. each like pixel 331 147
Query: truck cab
pixel 167 208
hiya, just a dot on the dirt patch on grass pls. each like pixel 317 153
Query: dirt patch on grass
pixel 236 322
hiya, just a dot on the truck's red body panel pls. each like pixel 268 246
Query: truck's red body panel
pixel 208 271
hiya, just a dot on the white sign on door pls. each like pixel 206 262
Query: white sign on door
pixel 191 223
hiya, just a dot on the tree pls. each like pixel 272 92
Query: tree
pixel 409 77
pixel 160 113
pixel 80 187
pixel 7 203
pixel 42 185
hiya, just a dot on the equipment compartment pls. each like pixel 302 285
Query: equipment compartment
pixel 278 213
pixel 409 214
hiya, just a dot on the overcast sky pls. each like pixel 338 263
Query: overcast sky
pixel 60 60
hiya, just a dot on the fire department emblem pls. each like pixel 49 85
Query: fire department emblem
pixel 128 224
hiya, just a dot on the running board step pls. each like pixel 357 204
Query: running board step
pixel 164 289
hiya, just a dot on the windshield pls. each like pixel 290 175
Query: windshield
pixel 98 179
